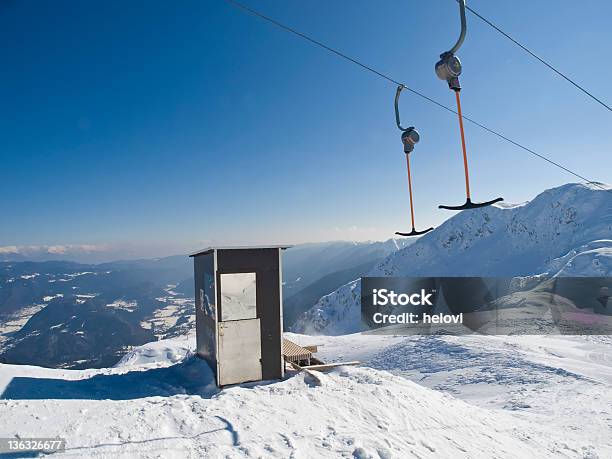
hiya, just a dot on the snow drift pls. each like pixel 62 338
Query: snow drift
pixel 150 404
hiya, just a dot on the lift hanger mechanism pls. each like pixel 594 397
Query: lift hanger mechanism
pixel 449 68
pixel 410 137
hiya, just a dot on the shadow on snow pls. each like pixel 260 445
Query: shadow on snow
pixel 192 376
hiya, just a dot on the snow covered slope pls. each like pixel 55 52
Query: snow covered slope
pixel 152 406
pixel 563 231
pixel 561 382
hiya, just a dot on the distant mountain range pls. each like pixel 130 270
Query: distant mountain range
pixel 564 231
pixel 72 315
pixel 66 314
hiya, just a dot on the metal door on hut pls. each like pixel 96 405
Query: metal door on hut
pixel 239 353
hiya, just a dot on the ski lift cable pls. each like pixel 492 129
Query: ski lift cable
pixel 407 88
pixel 535 56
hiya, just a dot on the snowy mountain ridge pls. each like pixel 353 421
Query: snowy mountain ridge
pixel 563 231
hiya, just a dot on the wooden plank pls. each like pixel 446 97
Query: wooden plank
pixel 329 366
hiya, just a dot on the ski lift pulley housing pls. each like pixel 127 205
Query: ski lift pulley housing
pixel 449 68
pixel 410 137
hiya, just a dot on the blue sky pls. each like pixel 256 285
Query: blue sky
pixel 165 125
